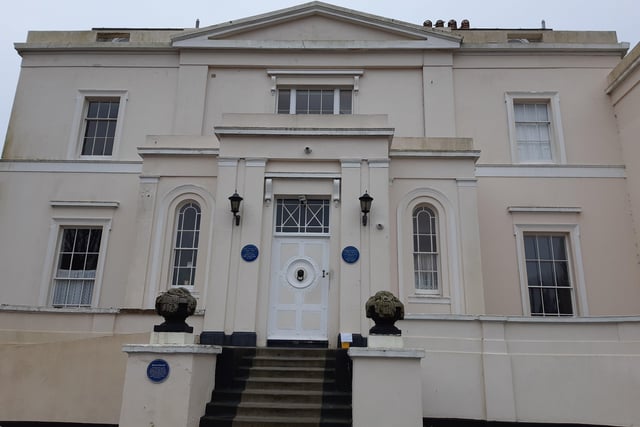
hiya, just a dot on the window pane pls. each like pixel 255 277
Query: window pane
pixel 562 273
pixel 345 101
pixel 535 298
pixel 549 301
pixel 564 302
pixel 302 101
pixel 544 247
pixel 533 275
pixel 559 252
pixel 103 110
pixel 113 110
pixel 327 102
pixel 284 100
pixel 530 247
pixel 315 102
pixel 546 273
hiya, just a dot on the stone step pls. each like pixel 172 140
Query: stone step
pixel 294 352
pixel 293 396
pixel 286 372
pixel 245 421
pixel 279 409
pixel 270 383
pixel 294 362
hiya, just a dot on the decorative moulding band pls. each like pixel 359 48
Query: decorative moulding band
pixel 83 204
pixel 544 209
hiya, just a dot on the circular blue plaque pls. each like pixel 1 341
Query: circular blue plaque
pixel 158 371
pixel 249 253
pixel 350 254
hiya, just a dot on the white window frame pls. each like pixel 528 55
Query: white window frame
pixel 438 253
pixel 58 224
pixel 293 99
pixel 76 138
pixel 174 247
pixel 574 255
pixel 552 99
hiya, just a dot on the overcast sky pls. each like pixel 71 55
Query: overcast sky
pixel 18 17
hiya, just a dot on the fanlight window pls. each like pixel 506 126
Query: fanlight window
pixel 425 249
pixel 302 216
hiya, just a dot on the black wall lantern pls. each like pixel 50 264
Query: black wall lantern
pixel 365 206
pixel 235 200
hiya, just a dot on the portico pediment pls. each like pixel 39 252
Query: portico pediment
pixel 316 25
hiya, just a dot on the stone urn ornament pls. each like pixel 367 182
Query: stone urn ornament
pixel 384 309
pixel 175 306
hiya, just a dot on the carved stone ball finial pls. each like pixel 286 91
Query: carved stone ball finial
pixel 175 306
pixel 384 308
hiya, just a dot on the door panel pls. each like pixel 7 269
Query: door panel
pixel 299 292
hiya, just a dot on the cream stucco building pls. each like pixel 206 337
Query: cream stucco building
pixel 503 167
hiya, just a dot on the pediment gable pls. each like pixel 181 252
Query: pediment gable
pixel 316 25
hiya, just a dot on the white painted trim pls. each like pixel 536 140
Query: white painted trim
pixel 222 163
pixel 408 353
pixel 520 319
pixel 544 209
pixel 74 148
pixel 428 299
pixel 381 163
pixel 255 163
pixel 237 130
pixel 474 154
pixel 268 191
pixel 172 348
pixel 351 163
pixel 149 179
pixel 309 45
pixel 162 237
pixel 64 166
pixel 551 171
pixel 335 196
pixel 51 256
pixel 319 72
pixel 466 182
pixel 145 151
pixel 83 204
pixel 65 310
pixel 576 267
pixel 450 285
pixel 304 175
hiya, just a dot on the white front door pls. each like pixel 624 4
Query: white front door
pixel 299 291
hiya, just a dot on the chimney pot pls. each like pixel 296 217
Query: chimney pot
pixel 464 25
pixel 452 24
pixel 427 23
pixel 439 23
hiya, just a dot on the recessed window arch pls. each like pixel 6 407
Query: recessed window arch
pixel 426 262
pixel 185 247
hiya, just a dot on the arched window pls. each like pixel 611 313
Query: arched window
pixel 425 249
pixel 185 252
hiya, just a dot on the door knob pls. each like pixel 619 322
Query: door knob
pixel 300 275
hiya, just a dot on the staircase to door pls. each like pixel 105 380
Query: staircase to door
pixel 268 387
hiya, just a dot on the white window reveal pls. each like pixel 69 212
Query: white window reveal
pixel 535 128
pixel 76 267
pixel 302 215
pixel 548 275
pixel 314 101
pixel 97 125
pixel 185 252
pixel 425 249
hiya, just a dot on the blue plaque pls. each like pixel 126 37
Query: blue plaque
pixel 249 253
pixel 158 371
pixel 350 254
